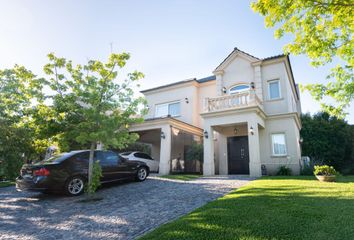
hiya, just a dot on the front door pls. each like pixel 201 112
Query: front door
pixel 238 155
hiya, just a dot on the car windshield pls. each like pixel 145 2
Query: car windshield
pixel 125 153
pixel 56 158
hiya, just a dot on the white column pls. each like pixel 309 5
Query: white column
pixel 99 146
pixel 165 151
pixel 258 81
pixel 254 150
pixel 208 165
pixel 223 168
pixel 219 82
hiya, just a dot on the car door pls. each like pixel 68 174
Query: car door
pixel 140 157
pixel 109 164
pixel 153 164
pixel 113 166
pixel 146 159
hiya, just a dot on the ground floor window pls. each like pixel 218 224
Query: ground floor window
pixel 278 144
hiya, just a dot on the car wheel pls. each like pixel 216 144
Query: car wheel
pixel 141 174
pixel 75 186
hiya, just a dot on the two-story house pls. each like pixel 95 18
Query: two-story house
pixel 246 115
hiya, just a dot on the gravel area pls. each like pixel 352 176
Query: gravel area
pixel 126 211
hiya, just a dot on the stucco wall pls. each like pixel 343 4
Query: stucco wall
pixel 281 125
pixel 206 90
pixel 275 72
pixel 238 71
pixel 176 94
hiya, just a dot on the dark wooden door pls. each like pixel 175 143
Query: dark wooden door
pixel 238 155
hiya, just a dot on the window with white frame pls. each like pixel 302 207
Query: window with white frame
pixel 278 144
pixel 239 88
pixel 173 109
pixel 274 89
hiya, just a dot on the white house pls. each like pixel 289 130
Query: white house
pixel 246 115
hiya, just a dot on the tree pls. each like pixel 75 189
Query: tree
pixel 328 140
pixel 20 90
pixel 90 106
pixel 322 30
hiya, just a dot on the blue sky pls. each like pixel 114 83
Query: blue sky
pixel 169 40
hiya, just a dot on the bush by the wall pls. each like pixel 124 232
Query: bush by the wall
pixel 284 171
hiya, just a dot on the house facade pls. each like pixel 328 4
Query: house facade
pixel 246 116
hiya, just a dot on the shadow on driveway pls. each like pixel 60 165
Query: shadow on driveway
pixel 126 211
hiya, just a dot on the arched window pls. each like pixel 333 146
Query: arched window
pixel 239 88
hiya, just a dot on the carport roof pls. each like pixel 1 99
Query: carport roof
pixel 156 123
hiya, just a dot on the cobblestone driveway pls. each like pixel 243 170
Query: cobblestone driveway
pixel 127 210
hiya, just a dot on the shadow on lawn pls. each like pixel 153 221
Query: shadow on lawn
pixel 263 211
pixel 339 179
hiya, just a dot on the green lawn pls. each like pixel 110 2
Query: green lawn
pixel 6 184
pixel 184 177
pixel 272 208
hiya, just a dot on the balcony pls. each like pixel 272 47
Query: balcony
pixel 234 101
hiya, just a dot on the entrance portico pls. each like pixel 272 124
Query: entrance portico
pixel 218 127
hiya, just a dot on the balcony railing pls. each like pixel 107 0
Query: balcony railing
pixel 238 100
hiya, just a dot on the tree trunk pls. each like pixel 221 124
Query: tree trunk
pixel 92 151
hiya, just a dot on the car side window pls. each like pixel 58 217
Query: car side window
pixel 107 158
pixel 144 155
pixel 81 157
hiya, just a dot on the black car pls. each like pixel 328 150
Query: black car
pixel 68 172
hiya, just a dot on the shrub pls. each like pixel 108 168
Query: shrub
pixel 284 171
pixel 307 170
pixel 324 170
pixel 195 152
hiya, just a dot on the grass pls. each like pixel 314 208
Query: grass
pixel 271 208
pixel 184 177
pixel 6 184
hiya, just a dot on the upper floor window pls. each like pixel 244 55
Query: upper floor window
pixel 278 144
pixel 274 89
pixel 173 109
pixel 239 88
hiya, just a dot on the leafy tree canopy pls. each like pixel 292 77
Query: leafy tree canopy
pixel 328 140
pixel 90 105
pixel 20 90
pixel 87 104
pixel 322 30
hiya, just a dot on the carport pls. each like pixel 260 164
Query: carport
pixel 170 140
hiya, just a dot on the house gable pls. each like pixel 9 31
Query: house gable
pixel 234 54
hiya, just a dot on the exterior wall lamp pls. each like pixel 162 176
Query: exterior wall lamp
pixel 224 89
pixel 251 130
pixel 187 100
pixel 301 140
pixel 162 135
pixel 252 85
pixel 235 131
pixel 206 135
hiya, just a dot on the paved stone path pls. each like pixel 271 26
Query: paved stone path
pixel 126 211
